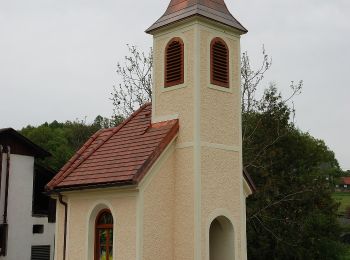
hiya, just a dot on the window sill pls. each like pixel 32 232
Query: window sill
pixel 175 87
pixel 219 88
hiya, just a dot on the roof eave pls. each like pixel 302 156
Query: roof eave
pixel 38 151
pixel 154 28
pixel 249 180
pixel 129 183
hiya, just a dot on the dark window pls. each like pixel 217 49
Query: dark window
pixel 3 239
pixel 40 253
pixel 174 63
pixel 38 229
pixel 104 236
pixel 219 71
pixel 52 211
pixel 41 201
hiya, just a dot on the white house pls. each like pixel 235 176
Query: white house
pixel 26 231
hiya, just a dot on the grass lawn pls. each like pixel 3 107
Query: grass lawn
pixel 344 199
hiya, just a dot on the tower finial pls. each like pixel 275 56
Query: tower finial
pixel 212 9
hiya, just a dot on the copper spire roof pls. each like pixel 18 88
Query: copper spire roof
pixel 181 9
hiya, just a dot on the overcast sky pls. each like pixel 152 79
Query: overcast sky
pixel 58 57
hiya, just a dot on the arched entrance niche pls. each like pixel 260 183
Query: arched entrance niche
pixel 221 239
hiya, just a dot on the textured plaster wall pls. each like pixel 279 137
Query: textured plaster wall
pixel 220 107
pixel 213 131
pixel 221 189
pixel 81 227
pixel 158 215
pixel 184 205
pixel 168 211
pixel 59 231
pixel 179 101
pixel 221 167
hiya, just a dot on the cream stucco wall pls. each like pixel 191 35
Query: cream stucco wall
pixel 157 195
pixel 221 193
pixel 167 207
pixel 83 208
pixel 184 231
pixel 179 101
pixel 209 153
pixel 170 101
pixel 220 134
pixel 220 107
pixel 59 231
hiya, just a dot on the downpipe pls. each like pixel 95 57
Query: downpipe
pixel 4 225
pixel 8 164
pixel 1 152
pixel 60 198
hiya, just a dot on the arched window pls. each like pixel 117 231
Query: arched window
pixel 104 236
pixel 174 63
pixel 219 56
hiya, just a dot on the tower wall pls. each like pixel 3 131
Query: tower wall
pixel 178 101
pixel 220 138
pixel 208 161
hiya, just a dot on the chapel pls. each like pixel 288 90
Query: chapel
pixel 168 182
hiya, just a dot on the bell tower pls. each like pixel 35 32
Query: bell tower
pixel 197 80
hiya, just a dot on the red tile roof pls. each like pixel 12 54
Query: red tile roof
pixel 345 180
pixel 117 156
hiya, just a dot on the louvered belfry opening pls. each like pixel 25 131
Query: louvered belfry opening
pixel 219 63
pixel 174 63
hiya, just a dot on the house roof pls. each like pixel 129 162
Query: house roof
pixel 249 180
pixel 19 144
pixel 345 180
pixel 212 9
pixel 117 156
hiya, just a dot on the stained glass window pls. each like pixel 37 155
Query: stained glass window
pixel 104 236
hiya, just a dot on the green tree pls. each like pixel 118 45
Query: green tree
pixel 62 140
pixel 292 214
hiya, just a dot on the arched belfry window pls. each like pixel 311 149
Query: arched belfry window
pixel 174 63
pixel 219 56
pixel 104 236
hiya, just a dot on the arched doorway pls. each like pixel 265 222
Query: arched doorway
pixel 221 239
